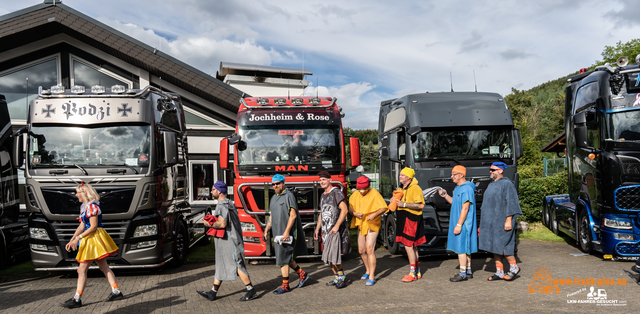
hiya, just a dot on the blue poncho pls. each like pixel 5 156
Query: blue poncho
pixel 500 201
pixel 467 241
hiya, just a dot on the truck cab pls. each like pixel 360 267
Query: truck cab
pixel 433 132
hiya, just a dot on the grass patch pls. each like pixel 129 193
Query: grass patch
pixel 539 232
pixel 201 253
pixel 18 269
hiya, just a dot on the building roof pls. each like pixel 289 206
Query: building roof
pixel 51 17
pixel 235 68
pixel 557 145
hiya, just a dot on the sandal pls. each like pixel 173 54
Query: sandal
pixel 364 277
pixel 494 277
pixel 508 276
pixel 635 268
pixel 370 282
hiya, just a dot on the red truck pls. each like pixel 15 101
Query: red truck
pixel 296 137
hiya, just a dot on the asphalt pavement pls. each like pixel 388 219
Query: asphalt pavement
pixel 540 287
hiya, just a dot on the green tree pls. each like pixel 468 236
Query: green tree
pixel 629 49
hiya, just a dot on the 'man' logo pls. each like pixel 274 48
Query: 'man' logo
pixel 292 168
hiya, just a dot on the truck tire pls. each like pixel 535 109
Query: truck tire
pixel 584 233
pixel 390 238
pixel 553 223
pixel 180 245
pixel 545 213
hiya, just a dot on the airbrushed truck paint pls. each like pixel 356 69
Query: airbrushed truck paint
pixel 295 174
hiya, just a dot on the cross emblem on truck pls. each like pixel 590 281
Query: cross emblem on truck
pixel 124 110
pixel 48 111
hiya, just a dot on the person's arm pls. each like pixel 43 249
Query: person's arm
pixel 446 196
pixel 377 213
pixel 463 217
pixel 220 223
pixel 341 218
pixel 73 243
pixel 267 228
pixel 414 206
pixel 316 233
pixel 354 213
pixel 292 220
pixel 507 224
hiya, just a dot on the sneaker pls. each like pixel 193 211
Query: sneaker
pixel 115 296
pixel 72 303
pixel 457 278
pixel 210 295
pixel 339 283
pixel 303 278
pixel 282 289
pixel 332 282
pixel 250 295
pixel 410 277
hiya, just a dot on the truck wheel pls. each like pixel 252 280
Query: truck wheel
pixel 554 219
pixel 180 245
pixel 392 245
pixel 545 213
pixel 584 233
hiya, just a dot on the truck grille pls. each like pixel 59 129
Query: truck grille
pixel 443 208
pixel 64 231
pixel 113 200
pixel 628 248
pixel 627 198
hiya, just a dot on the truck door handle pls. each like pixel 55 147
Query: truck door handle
pixel 58 171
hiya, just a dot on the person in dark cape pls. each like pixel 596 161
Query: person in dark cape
pixel 500 209
pixel 289 240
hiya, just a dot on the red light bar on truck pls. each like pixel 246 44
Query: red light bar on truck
pixel 280 102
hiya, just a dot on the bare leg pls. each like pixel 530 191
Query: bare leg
pixel 411 254
pixel 362 249
pixel 104 267
pixel 371 238
pixel 335 268
pixel 285 269
pixel 462 259
pixel 511 258
pixel 82 275
pixel 244 277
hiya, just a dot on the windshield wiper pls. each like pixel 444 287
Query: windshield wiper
pixel 121 165
pixel 77 166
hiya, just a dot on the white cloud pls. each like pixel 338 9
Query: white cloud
pixel 358 103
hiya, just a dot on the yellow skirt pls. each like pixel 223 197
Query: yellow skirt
pixel 95 246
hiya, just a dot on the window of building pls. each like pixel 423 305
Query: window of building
pixel 84 73
pixel 20 84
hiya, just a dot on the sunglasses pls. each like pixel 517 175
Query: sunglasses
pixel 276 183
pixel 492 170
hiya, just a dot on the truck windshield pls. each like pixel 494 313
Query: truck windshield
pixel 623 126
pixel 52 146
pixel 463 144
pixel 289 144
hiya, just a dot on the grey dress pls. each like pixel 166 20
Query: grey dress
pixel 279 207
pixel 499 202
pixel 230 248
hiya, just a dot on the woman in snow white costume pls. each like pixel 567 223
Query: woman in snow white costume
pixel 92 243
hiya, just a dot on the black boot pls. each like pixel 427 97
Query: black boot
pixel 210 295
pixel 72 303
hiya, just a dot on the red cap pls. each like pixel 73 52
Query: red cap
pixel 362 183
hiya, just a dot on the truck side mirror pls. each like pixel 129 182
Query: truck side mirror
pixel 581 136
pixel 414 130
pixel 580 118
pixel 18 151
pixel 170 148
pixel 518 149
pixel 393 147
pixel 224 154
pixel 234 139
pixel 354 144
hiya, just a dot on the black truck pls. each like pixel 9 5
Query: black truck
pixel 601 210
pixel 14 233
pixel 432 133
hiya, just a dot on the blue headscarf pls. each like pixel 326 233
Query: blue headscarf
pixel 221 186
pixel 277 178
pixel 500 165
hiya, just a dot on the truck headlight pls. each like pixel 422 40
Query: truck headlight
pixel 143 244
pixel 39 233
pixel 616 224
pixel 248 227
pixel 623 236
pixel 146 230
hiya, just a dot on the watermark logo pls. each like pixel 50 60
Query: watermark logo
pixel 597 296
pixel 542 282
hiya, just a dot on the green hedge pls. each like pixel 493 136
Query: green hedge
pixel 533 190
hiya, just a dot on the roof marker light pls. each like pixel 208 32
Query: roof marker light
pixel 297 101
pixel 314 101
pixel 98 89
pixel 117 89
pixel 262 101
pixel 77 89
pixel 58 89
pixel 280 101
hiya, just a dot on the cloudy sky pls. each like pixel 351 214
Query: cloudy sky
pixel 365 51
